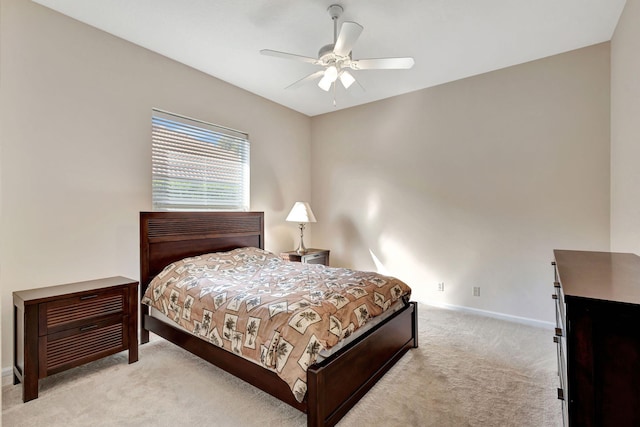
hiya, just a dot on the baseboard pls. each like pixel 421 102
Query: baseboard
pixel 496 315
pixel 7 376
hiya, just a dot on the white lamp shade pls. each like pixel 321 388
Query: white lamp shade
pixel 301 212
pixel 346 78
pixel 330 76
pixel 325 83
pixel 331 73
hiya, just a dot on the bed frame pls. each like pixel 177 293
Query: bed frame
pixel 334 385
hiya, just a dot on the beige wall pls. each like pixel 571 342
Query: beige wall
pixel 625 131
pixel 75 168
pixel 471 183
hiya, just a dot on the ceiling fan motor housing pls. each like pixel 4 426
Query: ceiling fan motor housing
pixel 326 55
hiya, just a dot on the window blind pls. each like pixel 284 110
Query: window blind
pixel 198 165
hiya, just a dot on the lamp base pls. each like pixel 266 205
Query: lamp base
pixel 301 248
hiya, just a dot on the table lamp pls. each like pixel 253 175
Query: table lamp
pixel 301 213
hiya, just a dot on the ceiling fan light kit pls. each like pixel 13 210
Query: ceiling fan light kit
pixel 336 58
pixel 346 79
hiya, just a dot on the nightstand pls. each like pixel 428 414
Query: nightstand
pixel 312 256
pixel 60 327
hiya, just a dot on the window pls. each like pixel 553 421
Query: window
pixel 197 165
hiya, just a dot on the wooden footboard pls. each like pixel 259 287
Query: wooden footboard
pixel 335 385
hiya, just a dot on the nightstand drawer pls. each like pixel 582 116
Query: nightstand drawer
pixel 312 256
pixel 83 344
pixel 71 312
pixel 319 258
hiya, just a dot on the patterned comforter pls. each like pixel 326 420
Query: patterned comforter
pixel 276 313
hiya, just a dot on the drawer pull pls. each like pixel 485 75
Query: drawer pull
pixel 558 332
pixel 554 296
pixel 560 394
pixel 88 297
pixel 556 340
pixel 553 263
pixel 88 328
pixel 556 284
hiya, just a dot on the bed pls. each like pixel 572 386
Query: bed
pixel 335 384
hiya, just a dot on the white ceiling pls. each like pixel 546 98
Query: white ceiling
pixel 449 39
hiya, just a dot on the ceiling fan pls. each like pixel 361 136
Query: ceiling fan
pixel 336 58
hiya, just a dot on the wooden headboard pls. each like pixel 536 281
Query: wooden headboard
pixel 166 237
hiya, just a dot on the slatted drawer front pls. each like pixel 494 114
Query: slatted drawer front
pixel 85 307
pixel 89 344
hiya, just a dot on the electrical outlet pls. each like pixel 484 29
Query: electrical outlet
pixel 441 286
pixel 476 291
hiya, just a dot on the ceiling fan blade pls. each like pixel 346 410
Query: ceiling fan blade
pixel 383 64
pixel 349 33
pixel 305 79
pixel 285 55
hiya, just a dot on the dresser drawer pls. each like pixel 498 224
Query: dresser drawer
pixel 562 362
pixel 74 312
pixel 563 389
pixel 558 297
pixel 560 319
pixel 83 344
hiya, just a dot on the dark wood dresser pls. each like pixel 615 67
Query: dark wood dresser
pixel 598 336
pixel 61 327
pixel 312 256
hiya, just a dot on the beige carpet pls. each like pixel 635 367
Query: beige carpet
pixel 468 371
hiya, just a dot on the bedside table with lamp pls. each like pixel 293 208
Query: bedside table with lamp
pixel 302 214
